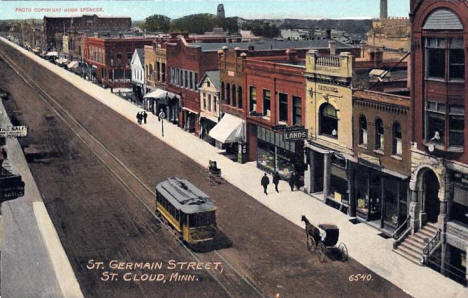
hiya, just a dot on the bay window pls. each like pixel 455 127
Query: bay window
pixel 437 51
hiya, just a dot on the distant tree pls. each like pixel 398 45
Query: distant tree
pixel 261 28
pixel 157 23
pixel 196 23
pixel 228 24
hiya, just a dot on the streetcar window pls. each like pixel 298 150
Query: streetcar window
pixel 202 219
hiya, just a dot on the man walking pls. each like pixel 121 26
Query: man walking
pixel 265 181
pixel 292 180
pixel 138 116
pixel 276 179
pixel 145 115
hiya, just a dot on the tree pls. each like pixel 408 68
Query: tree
pixel 195 23
pixel 261 28
pixel 157 23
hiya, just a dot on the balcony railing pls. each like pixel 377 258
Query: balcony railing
pixel 329 61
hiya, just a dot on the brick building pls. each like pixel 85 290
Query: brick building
pixel 439 156
pixel 110 58
pixel 381 144
pixel 275 101
pixel 55 27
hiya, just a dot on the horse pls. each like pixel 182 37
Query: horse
pixel 311 230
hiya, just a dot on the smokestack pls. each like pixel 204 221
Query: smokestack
pixel 332 47
pixel 383 9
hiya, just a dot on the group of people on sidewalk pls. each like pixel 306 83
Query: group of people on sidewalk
pixel 141 117
pixel 293 181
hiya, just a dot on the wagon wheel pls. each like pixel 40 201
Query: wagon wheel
pixel 311 245
pixel 343 251
pixel 321 252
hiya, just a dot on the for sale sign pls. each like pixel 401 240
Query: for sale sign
pixel 13 131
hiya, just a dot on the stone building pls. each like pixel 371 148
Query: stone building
pixel 55 27
pixel 439 155
pixel 329 148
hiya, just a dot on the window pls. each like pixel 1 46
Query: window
pixel 379 135
pixel 191 79
pixel 233 92
pixel 208 83
pixel 204 100
pixel 456 125
pixel 228 94
pixel 119 58
pixel 266 102
pixel 222 91
pixel 186 79
pixel 396 139
pixel 328 120
pixel 239 97
pixel 215 103
pixel 252 99
pixel 297 110
pixel 209 102
pixel 196 80
pixel 362 130
pixel 163 70
pixel 158 74
pixel 435 122
pixel 129 58
pixel 283 107
pixel 437 49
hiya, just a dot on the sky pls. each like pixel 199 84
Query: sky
pixel 140 9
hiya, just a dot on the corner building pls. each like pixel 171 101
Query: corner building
pixel 439 156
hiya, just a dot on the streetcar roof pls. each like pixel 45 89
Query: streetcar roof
pixel 184 196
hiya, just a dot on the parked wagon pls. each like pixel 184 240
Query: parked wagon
pixel 323 238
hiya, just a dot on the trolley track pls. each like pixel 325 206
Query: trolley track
pixel 231 280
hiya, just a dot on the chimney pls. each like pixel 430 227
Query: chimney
pixel 332 47
pixel 383 9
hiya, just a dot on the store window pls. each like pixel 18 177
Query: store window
pixel 266 102
pixel 391 190
pixel 252 99
pixel 396 139
pixel 239 97
pixel 362 130
pixel 297 111
pixel 283 107
pixel 379 135
pixel 328 121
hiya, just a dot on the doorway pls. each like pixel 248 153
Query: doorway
pixel 430 186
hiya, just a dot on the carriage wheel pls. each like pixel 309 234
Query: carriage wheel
pixel 343 251
pixel 321 252
pixel 311 245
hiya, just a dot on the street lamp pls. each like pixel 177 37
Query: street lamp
pixel 162 115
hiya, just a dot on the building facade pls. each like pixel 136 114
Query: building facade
pixel 329 148
pixel 439 156
pixel 55 27
pixel 137 66
pixel 209 104
pixel 110 57
pixel 275 104
pixel 381 143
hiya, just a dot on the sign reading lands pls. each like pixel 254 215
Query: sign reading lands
pixel 295 135
pixel 13 131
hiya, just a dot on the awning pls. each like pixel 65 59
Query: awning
pixel 162 96
pixel 51 54
pixel 230 129
pixel 73 65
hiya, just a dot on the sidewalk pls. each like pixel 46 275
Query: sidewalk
pixel 363 243
pixel 33 262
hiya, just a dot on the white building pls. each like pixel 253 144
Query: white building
pixel 137 66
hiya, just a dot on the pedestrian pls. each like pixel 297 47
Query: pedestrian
pixel 145 115
pixel 276 179
pixel 265 181
pixel 292 180
pixel 138 117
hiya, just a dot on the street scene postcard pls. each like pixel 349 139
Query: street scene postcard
pixel 233 148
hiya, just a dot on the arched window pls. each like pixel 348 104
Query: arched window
pixel 362 130
pixel 233 95
pixel 379 135
pixel 396 139
pixel 239 97
pixel 328 120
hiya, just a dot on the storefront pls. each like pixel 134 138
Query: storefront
pixel 206 124
pixel 381 198
pixel 159 100
pixel 276 154
pixel 229 134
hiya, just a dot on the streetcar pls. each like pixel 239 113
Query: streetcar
pixel 187 209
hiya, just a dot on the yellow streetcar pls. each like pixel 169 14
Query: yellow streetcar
pixel 187 209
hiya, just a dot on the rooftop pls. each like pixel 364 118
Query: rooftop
pixel 382 97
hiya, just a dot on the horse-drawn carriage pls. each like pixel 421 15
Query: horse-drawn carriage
pixel 324 238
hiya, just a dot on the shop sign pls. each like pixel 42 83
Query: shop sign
pixel 13 131
pixel 295 135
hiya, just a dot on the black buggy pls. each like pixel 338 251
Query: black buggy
pixel 323 238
